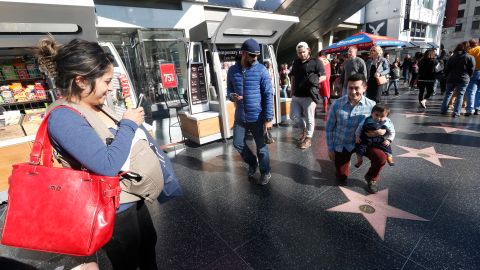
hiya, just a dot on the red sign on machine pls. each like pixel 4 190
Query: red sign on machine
pixel 169 78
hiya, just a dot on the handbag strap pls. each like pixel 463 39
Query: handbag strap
pixel 42 146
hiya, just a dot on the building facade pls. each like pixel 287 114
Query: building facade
pixel 417 21
pixel 466 22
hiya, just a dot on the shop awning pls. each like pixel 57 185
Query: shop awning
pixel 239 25
pixel 24 22
pixel 422 45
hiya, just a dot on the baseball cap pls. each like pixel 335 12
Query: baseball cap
pixel 251 46
pixel 302 45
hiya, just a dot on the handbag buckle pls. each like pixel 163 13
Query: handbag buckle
pixel 113 193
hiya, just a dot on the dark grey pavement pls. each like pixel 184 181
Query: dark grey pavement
pixel 226 222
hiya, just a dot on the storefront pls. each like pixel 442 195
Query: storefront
pixel 25 91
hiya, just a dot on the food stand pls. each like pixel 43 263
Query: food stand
pixel 25 91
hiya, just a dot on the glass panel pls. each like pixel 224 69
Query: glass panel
pixel 458 27
pixel 249 32
pixel 160 34
pixel 29 28
pixel 153 48
pixel 197 54
pixel 476 25
pixel 228 55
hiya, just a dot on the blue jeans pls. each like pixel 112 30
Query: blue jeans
pixel 472 94
pixel 394 83
pixel 239 142
pixel 283 92
pixel 461 87
pixel 406 75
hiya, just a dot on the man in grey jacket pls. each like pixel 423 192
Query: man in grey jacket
pixel 352 66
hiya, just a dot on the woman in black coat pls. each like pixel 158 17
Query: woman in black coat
pixel 426 76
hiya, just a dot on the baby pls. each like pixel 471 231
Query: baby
pixel 378 120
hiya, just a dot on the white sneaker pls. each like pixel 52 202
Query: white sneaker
pixel 423 103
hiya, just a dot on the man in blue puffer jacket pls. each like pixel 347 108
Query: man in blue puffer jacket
pixel 249 86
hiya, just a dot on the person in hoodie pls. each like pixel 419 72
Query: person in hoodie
pixel 250 87
pixel 459 69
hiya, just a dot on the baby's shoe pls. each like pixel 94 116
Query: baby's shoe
pixel 390 161
pixel 359 162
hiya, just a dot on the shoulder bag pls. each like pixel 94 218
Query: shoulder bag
pixel 58 210
pixel 381 79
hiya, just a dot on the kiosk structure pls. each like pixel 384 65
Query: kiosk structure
pixel 213 48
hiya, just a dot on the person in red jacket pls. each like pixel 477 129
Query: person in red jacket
pixel 325 85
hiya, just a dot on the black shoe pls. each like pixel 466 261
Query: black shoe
pixel 476 112
pixel 341 181
pixel 396 93
pixel 455 115
pixel 264 179
pixel 252 170
pixel 372 187
pixel 467 114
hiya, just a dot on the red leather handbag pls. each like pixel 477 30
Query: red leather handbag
pixel 58 210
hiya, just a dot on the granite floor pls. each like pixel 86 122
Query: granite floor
pixel 426 215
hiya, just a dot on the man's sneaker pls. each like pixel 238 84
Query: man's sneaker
pixel 306 143
pixel 252 170
pixel 302 136
pixel 467 114
pixel 372 187
pixel 264 179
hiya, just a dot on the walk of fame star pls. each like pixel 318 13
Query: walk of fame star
pixel 428 154
pixel 374 208
pixel 408 115
pixel 450 129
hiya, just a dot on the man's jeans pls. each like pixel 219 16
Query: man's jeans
pixel 457 109
pixel 406 75
pixel 305 106
pixel 239 142
pixel 473 92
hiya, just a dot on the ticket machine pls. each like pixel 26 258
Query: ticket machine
pixel 215 46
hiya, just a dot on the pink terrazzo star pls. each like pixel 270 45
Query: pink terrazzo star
pixel 374 208
pixel 450 129
pixel 428 154
pixel 408 115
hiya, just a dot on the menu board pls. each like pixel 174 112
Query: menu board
pixel 198 88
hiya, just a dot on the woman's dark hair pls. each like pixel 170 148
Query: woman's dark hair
pixel 381 108
pixel 77 58
pixel 428 55
pixel 460 47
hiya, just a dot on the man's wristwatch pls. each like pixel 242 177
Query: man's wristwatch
pixel 268 120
